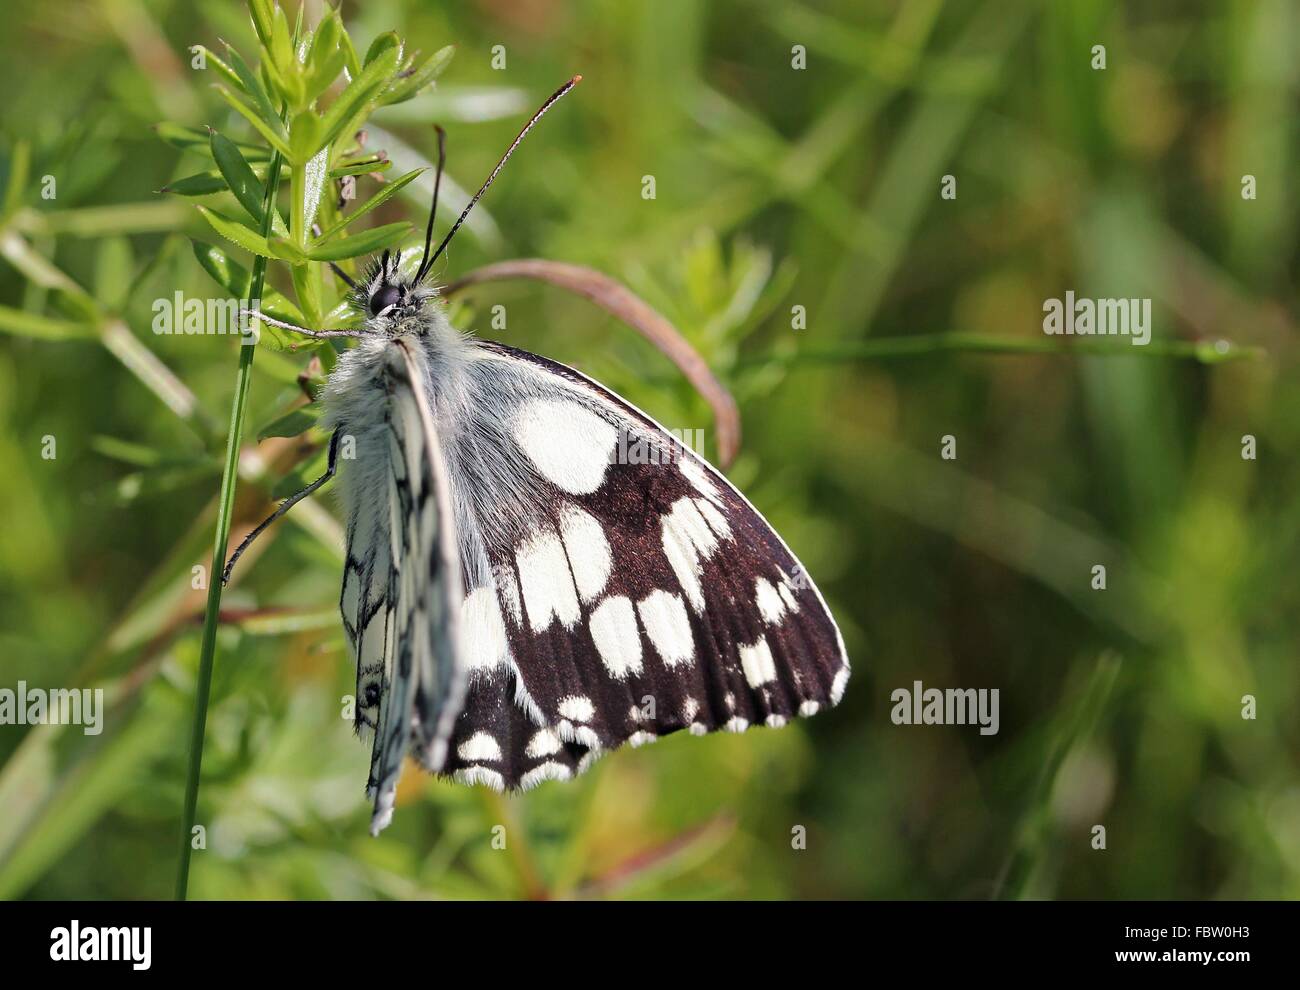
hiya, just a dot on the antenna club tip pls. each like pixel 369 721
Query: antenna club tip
pixel 575 80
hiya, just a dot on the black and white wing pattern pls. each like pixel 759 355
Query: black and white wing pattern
pixel 623 590
pixel 402 584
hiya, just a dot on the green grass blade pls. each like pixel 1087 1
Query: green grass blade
pixel 220 543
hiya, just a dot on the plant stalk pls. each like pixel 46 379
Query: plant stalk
pixel 220 544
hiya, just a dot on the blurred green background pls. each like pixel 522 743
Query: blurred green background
pixel 775 188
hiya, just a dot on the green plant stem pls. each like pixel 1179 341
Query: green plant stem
pixel 1206 352
pixel 225 510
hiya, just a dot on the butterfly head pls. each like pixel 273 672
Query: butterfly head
pixel 390 299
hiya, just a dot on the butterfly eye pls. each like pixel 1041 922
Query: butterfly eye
pixel 383 297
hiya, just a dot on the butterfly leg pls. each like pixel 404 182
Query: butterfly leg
pixel 330 467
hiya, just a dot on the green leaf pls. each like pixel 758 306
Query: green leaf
pixel 293 423
pixel 261 13
pixel 199 184
pixel 253 86
pixel 353 63
pixel 274 135
pixel 236 280
pixel 241 180
pixel 232 277
pixel 280 46
pixel 274 81
pixel 306 286
pixel 304 136
pixel 352 101
pixel 409 83
pixel 361 168
pixel 283 64
pixel 326 59
pixel 388 191
pixel 389 41
pixel 326 40
pixel 237 233
pixel 223 68
pixel 358 244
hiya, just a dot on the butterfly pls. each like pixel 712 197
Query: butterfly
pixel 520 594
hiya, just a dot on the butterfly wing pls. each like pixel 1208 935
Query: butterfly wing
pixel 645 594
pixel 402 584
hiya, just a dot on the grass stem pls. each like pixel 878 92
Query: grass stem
pixel 220 544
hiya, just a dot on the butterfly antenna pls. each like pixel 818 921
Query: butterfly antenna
pixel 551 101
pixel 433 210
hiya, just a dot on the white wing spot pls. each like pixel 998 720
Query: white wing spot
pixel 577 707
pixel 736 724
pixel 544 743
pixel 769 602
pixel 664 616
pixel 699 479
pixel 588 550
pixel 546 582
pixel 839 684
pixel 641 738
pixel 809 708
pixel 688 542
pixel 581 734
pixel 569 445
pixel 479 746
pixel 547 771
pixel 716 520
pixel 788 597
pixel 614 631
pixel 757 662
pixel 690 708
pixel 480 775
pixel 483 641
pixel 698 729
pixel 774 721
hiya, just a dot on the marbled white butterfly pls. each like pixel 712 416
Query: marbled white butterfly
pixel 519 598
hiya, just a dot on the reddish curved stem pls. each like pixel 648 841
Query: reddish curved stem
pixel 620 301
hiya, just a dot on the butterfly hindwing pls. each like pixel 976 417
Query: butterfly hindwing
pixel 498 745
